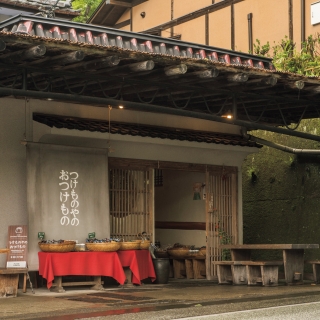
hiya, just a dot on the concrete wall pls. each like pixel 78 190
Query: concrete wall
pixel 282 204
pixel 13 201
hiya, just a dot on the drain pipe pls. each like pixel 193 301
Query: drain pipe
pixel 250 39
pixel 303 22
pixel 279 146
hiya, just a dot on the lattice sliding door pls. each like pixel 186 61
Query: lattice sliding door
pixel 221 217
pixel 131 203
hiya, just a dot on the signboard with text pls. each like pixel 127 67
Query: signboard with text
pixel 18 246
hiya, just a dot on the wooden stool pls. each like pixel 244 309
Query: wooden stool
pixel 9 281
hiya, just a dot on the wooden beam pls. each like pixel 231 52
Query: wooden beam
pixel 172 16
pixel 174 70
pixel 181 166
pixel 31 53
pixel 194 15
pixel 107 16
pixel 122 24
pixel 94 65
pixel 204 74
pixel 125 4
pixel 70 57
pixel 207 28
pixel 232 27
pixel 180 225
pixel 137 2
pixel 142 66
pixel 290 20
pixel 238 77
pixel 119 3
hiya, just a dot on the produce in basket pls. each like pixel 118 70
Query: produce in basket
pixel 103 246
pixel 178 250
pixel 129 245
pixel 57 245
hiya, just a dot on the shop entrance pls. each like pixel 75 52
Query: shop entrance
pixel 196 206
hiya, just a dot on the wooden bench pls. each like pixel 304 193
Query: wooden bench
pixel 231 272
pixel 293 257
pixel 315 269
pixel 58 284
pixel 265 273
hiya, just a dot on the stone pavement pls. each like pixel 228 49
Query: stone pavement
pixel 150 301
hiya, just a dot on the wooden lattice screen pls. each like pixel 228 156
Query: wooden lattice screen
pixel 221 217
pixel 131 203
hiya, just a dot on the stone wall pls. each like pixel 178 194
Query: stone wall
pixel 281 192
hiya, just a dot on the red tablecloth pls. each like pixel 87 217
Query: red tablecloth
pixel 80 263
pixel 140 264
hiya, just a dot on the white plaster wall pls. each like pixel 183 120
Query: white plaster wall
pixel 13 203
pixel 174 202
pixel 16 122
pixel 123 146
pixel 168 237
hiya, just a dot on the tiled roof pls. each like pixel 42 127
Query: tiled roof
pixel 142 130
pixel 61 7
pixel 69 61
pixel 95 35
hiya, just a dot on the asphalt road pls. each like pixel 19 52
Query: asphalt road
pixel 304 311
pixel 291 308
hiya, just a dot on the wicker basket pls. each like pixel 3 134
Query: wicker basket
pixel 4 250
pixel 203 251
pixel 65 246
pixel 103 246
pixel 145 244
pixel 129 245
pixel 178 252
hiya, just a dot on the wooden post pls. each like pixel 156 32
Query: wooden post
pixel 142 66
pixel 175 70
pixel 189 269
pixel 57 285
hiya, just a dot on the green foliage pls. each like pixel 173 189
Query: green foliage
pixel 261 50
pixel 225 239
pixel 87 8
pixel 304 62
pixel 286 57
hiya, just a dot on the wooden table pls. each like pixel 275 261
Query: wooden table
pixel 52 266
pixel 293 257
pixel 137 265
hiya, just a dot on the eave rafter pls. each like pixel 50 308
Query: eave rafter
pixel 68 68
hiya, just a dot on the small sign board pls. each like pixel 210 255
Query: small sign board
pixel 91 235
pixel 18 246
pixel 315 13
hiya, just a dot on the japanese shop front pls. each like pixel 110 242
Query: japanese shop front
pixel 77 181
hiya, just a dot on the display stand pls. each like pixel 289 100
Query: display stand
pixel 190 267
pixel 15 262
